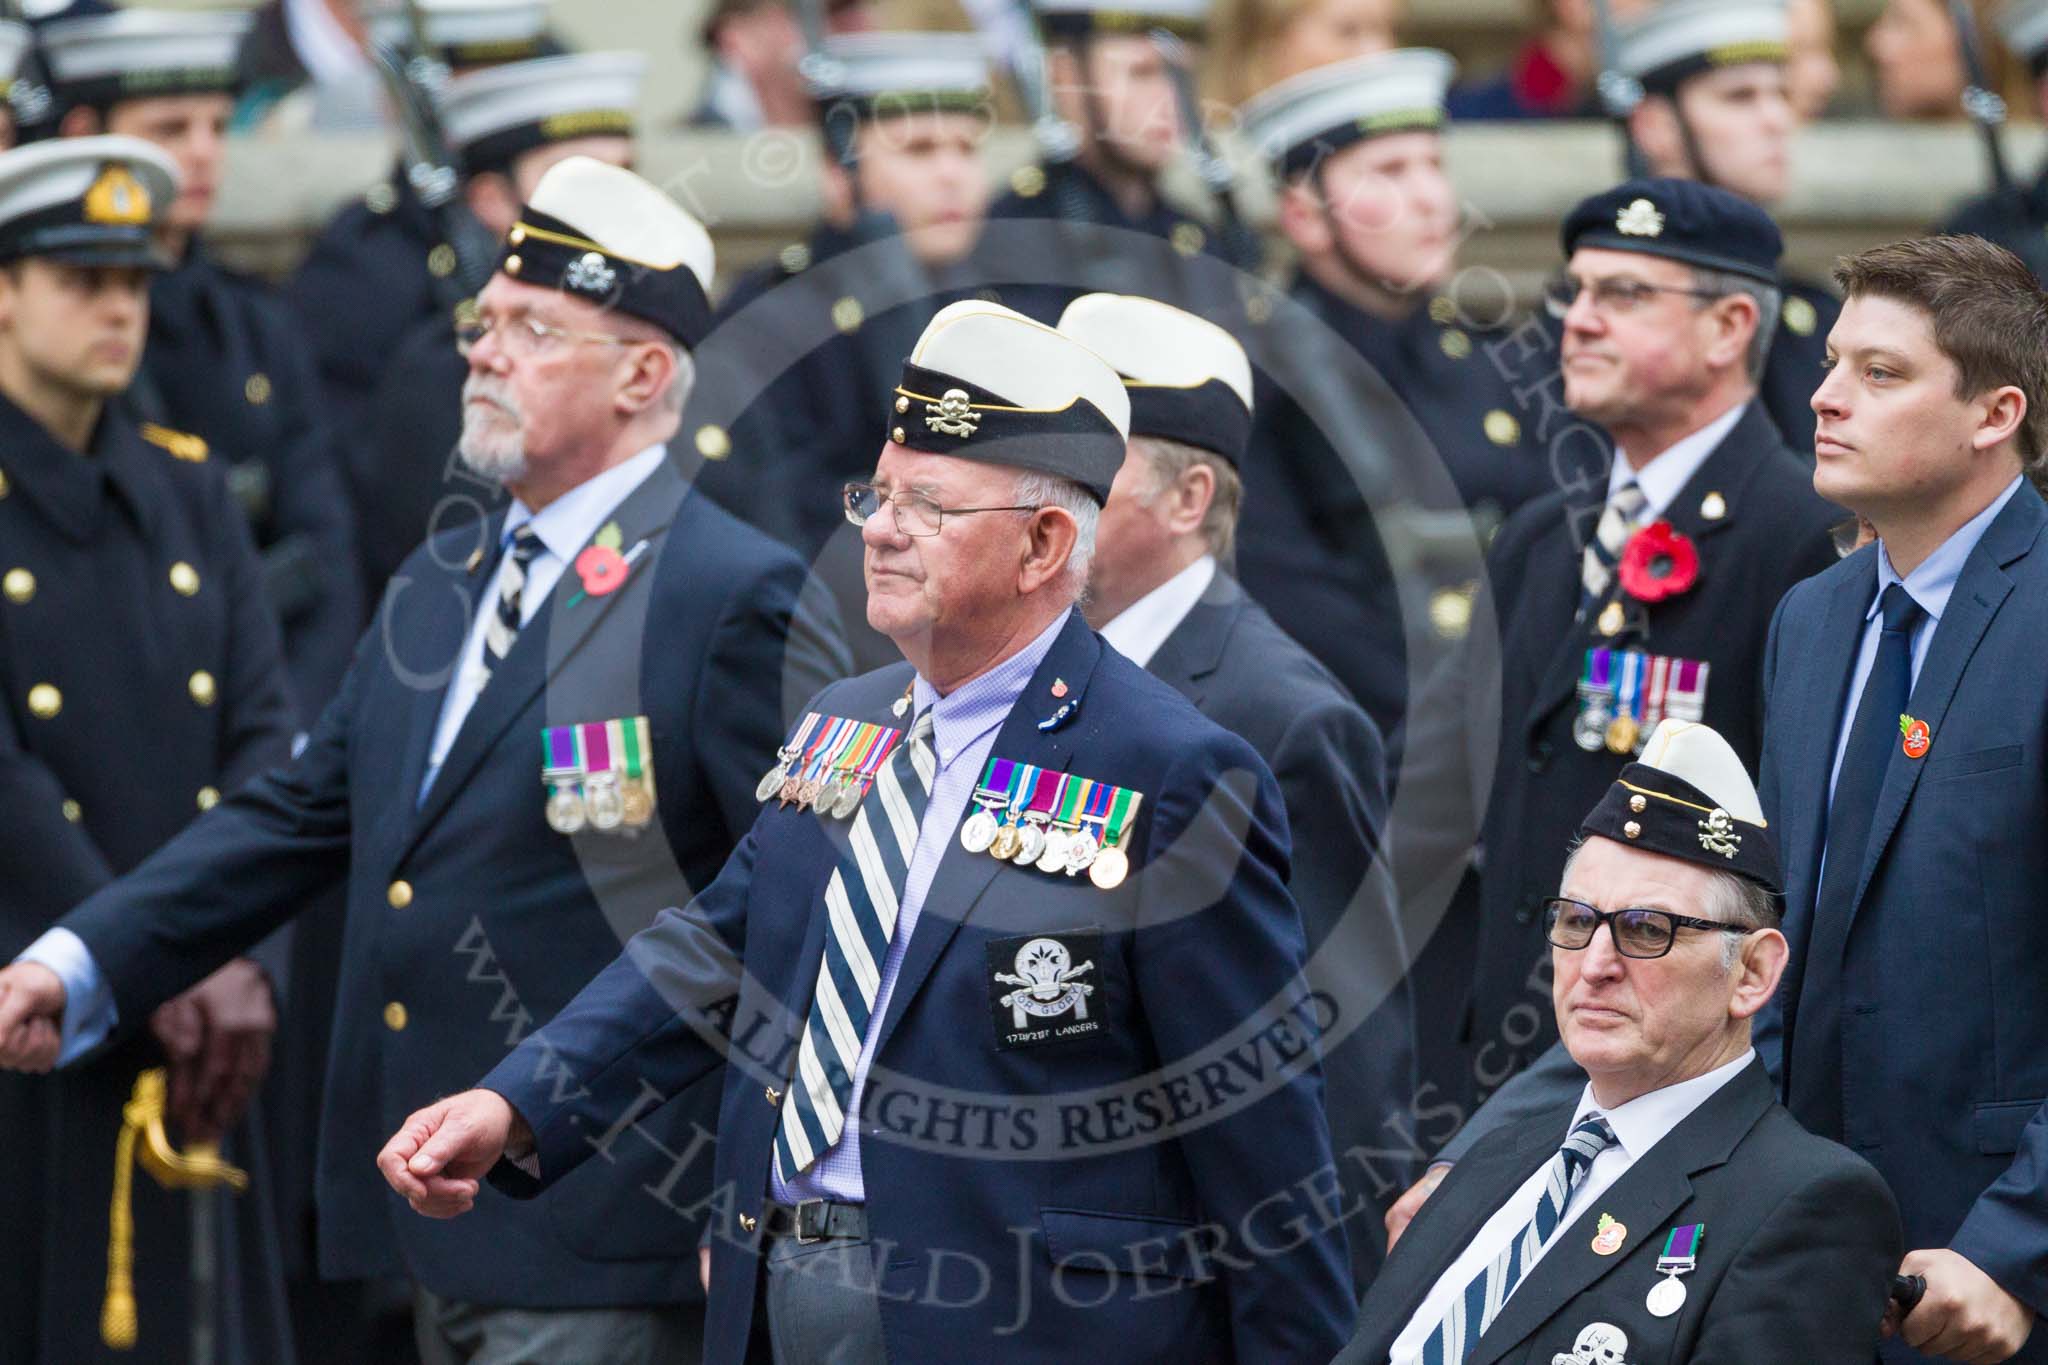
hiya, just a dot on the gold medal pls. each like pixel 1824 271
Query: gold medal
pixel 1008 841
pixel 636 804
pixel 1612 618
pixel 1622 733
pixel 1109 868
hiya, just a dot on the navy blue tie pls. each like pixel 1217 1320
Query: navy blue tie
pixel 1816 1064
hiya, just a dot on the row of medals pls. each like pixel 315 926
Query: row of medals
pixel 1619 735
pixel 837 794
pixel 607 802
pixel 1037 842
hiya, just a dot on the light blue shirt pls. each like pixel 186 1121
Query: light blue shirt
pixel 1930 585
pixel 564 526
pixel 964 725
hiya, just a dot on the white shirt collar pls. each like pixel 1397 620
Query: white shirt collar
pixel 1648 1119
pixel 1141 628
pixel 566 525
pixel 1933 581
pixel 1667 474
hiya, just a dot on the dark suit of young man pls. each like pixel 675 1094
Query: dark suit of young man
pixel 1946 925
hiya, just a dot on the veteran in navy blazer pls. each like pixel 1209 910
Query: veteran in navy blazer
pixel 1160 591
pixel 1670 1211
pixel 1723 519
pixel 489 876
pixel 1087 1106
pixel 1913 1027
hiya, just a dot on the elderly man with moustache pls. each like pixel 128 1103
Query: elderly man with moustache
pixel 543 740
pixel 1675 1212
pixel 964 1098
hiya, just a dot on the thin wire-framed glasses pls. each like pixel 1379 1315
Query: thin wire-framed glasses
pixel 916 514
pixel 524 335
pixel 1613 297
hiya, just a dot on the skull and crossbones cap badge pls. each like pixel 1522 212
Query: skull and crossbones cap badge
pixel 1689 797
pixel 986 383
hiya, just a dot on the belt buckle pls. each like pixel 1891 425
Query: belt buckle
pixel 807 1237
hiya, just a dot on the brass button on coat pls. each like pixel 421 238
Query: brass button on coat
pixel 184 579
pixel 399 894
pixel 203 688
pixel 45 701
pixel 19 585
pixel 209 797
pixel 394 1016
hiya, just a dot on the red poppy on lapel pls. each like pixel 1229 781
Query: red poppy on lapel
pixel 1659 562
pixel 601 568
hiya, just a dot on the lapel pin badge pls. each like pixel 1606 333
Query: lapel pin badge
pixel 1915 738
pixel 1611 1234
pixel 1059 687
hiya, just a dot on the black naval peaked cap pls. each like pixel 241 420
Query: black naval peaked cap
pixel 85 201
pixel 1188 379
pixel 1680 220
pixel 1689 797
pixel 987 383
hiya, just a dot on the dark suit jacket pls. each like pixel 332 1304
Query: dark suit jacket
pixel 470 922
pixel 1246 674
pixel 1059 1171
pixel 1800 1244
pixel 1772 531
pixel 1943 1052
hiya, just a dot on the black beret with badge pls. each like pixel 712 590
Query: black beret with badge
pixel 1188 379
pixel 91 201
pixel 97 60
pixel 599 232
pixel 1680 220
pixel 986 383
pixel 1306 118
pixel 1680 39
pixel 493 115
pixel 1689 797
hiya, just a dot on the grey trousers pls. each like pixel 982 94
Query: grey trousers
pixel 454 1333
pixel 822 1308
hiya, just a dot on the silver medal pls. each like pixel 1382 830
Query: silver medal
pixel 1053 858
pixel 1666 1297
pixel 978 831
pixel 565 810
pixel 1033 845
pixel 1589 728
pixel 772 782
pixel 1081 851
pixel 848 800
pixel 607 809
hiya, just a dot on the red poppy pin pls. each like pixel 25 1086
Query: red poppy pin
pixel 1914 737
pixel 1659 562
pixel 601 567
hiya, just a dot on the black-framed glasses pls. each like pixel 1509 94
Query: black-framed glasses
pixel 916 514
pixel 1613 297
pixel 1571 924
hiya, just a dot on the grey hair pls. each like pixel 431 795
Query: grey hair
pixel 1169 459
pixel 1769 301
pixel 1034 489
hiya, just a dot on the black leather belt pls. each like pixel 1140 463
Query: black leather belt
pixel 815 1220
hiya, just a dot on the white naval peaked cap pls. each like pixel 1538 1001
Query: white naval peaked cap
pixel 1330 107
pixel 494 114
pixel 469 32
pixel 14 44
pixel 97 59
pixel 1069 18
pixel 919 69
pixel 1000 387
pixel 85 200
pixel 1699 755
pixel 2024 26
pixel 601 232
pixel 1682 38
pixel 1690 797
pixel 1188 379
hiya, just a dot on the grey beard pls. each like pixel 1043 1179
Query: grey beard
pixel 492 449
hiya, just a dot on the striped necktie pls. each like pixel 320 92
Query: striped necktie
pixel 1473 1311
pixel 860 908
pixel 1610 537
pixel 502 630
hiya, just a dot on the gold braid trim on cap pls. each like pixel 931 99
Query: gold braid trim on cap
pixel 1680 801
